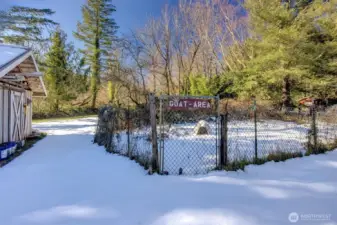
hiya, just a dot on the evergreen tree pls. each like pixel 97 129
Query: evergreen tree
pixel 79 71
pixel 206 86
pixel 286 53
pixel 200 85
pixel 112 75
pixel 97 31
pixel 57 72
pixel 24 25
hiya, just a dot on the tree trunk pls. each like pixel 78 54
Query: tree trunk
pixel 93 90
pixel 95 73
pixel 56 105
pixel 286 98
pixel 111 92
pixel 167 81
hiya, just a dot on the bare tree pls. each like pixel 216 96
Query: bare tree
pixel 202 37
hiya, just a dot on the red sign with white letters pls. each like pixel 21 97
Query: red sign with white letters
pixel 189 103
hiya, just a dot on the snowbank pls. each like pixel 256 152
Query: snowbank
pixel 67 180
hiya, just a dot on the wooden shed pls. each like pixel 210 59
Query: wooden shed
pixel 20 82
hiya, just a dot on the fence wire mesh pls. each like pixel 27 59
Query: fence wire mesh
pixel 189 134
pixel 194 139
pixel 327 128
pixel 259 134
pixel 125 132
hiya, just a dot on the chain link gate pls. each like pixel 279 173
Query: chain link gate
pixel 189 134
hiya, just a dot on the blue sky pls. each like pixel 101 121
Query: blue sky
pixel 131 14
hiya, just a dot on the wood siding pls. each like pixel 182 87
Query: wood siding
pixel 28 113
pixel 15 114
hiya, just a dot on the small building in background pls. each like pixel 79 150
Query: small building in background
pixel 20 82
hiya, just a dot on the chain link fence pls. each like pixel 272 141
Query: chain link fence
pixel 193 135
pixel 326 126
pixel 125 132
pixel 188 134
pixel 256 134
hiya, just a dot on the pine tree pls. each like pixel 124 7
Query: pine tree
pixel 24 25
pixel 97 31
pixel 204 86
pixel 57 72
pixel 285 52
pixel 78 81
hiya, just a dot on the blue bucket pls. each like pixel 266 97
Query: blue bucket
pixel 7 149
pixel 4 153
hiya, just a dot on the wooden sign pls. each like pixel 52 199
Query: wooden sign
pixel 189 104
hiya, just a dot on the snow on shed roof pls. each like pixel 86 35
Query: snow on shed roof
pixel 19 61
pixel 9 53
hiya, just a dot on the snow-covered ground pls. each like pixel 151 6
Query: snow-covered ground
pixel 66 180
pixel 197 154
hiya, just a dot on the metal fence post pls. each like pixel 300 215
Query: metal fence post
pixel 314 128
pixel 218 133
pixel 255 130
pixel 224 138
pixel 154 160
pixel 110 136
pixel 161 137
pixel 128 129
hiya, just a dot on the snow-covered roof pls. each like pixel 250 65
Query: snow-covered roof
pixel 18 62
pixel 9 53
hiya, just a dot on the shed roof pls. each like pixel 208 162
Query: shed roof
pixel 9 53
pixel 17 64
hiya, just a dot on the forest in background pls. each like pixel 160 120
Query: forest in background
pixel 277 51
